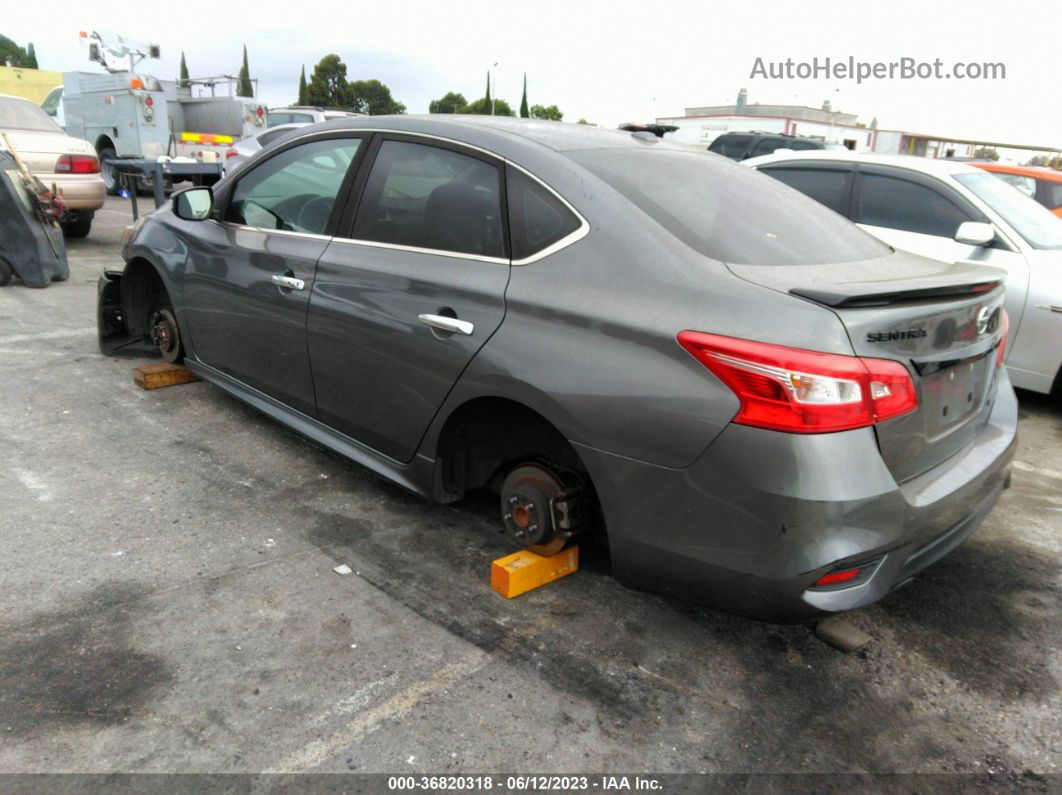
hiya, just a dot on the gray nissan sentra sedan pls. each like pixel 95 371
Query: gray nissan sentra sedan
pixel 763 408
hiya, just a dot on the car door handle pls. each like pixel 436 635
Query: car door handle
pixel 444 323
pixel 1049 307
pixel 288 282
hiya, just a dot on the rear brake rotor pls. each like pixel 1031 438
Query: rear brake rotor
pixel 528 510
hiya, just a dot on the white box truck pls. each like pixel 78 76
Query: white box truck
pixel 124 115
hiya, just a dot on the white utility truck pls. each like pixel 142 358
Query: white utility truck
pixel 126 115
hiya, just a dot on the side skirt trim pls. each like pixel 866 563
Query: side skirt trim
pixel 415 477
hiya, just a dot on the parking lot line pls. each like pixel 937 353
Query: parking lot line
pixel 47 335
pixel 319 751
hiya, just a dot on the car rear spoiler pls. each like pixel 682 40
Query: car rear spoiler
pixel 864 295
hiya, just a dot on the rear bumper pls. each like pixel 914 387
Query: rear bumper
pixel 760 516
pixel 79 191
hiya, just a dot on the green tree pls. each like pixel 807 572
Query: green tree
pixel 303 100
pixel 552 112
pixel 184 71
pixel 374 98
pixel 483 107
pixel 584 121
pixel 13 55
pixel 245 89
pixel 985 153
pixel 451 102
pixel 31 56
pixel 487 95
pixel 524 112
pixel 328 84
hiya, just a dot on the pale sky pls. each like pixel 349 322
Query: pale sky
pixel 609 62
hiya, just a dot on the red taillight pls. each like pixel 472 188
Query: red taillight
pixel 837 577
pixel 77 164
pixel 149 102
pixel 230 153
pixel 1001 351
pixel 260 111
pixel 801 391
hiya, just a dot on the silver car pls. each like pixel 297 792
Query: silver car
pixel 760 406
pixel 954 212
pixel 240 151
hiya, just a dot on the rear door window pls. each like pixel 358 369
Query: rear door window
pixel 826 186
pixel 898 203
pixel 434 198
pixel 295 190
pixel 799 145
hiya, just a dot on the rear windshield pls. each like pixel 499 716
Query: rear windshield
pixel 21 114
pixel 730 212
pixel 1031 220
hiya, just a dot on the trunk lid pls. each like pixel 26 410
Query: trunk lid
pixel 942 321
pixel 40 150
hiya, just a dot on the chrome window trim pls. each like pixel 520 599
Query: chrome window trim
pixel 564 242
pixel 418 250
pixel 263 230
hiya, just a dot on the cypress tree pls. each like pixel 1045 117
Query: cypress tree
pixel 31 56
pixel 184 71
pixel 524 112
pixel 244 88
pixel 488 86
pixel 302 87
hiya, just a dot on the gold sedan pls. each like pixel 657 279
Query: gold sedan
pixel 70 164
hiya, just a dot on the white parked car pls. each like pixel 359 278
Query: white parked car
pixel 305 114
pixel 240 151
pixel 954 212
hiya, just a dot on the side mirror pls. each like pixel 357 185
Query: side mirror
pixel 975 233
pixel 193 204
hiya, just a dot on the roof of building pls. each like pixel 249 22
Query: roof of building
pixel 788 111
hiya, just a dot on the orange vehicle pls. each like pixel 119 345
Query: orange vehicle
pixel 1042 184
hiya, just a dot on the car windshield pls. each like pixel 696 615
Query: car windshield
pixel 730 212
pixel 1040 228
pixel 21 114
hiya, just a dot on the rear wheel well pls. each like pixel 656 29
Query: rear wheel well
pixel 485 436
pixel 103 142
pixel 143 294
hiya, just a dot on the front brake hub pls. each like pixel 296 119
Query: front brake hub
pixel 164 334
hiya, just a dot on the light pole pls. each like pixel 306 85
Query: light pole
pixel 495 91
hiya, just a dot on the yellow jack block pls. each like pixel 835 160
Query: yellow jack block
pixel 156 376
pixel 524 571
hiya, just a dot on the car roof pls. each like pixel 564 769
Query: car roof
pixel 935 166
pixel 1038 172
pixel 558 136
